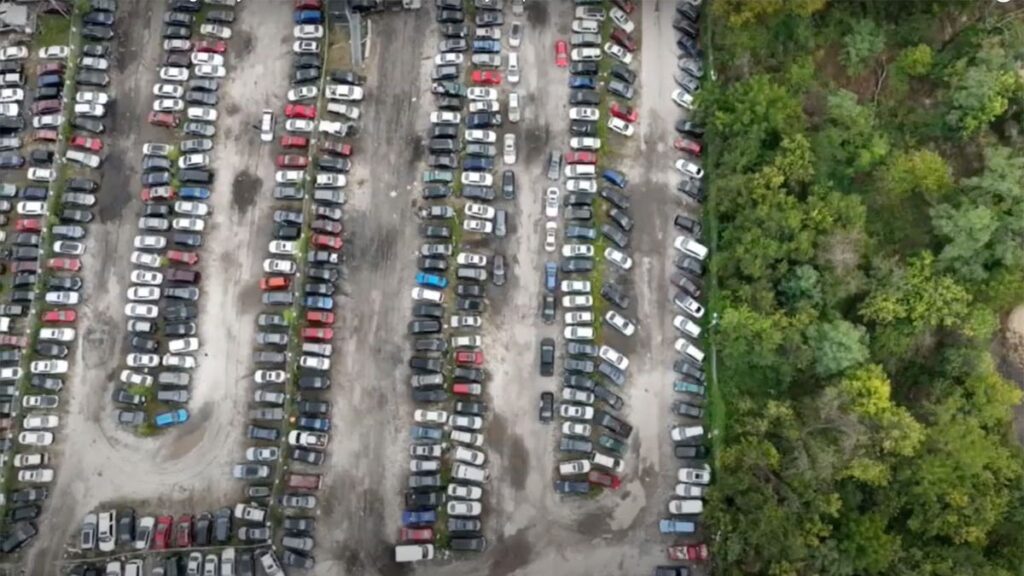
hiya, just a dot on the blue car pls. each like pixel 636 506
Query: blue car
pixel 477 163
pixel 307 17
pixel 194 193
pixel 485 46
pixel 550 276
pixel 588 82
pixel 166 419
pixel 419 517
pixel 431 280
pixel 427 433
pixel 669 526
pixel 615 177
pixel 318 302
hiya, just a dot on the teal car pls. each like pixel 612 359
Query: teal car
pixel 167 419
pixel 685 387
pixel 431 280
pixel 613 444
pixel 438 177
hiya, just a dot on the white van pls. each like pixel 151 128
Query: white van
pixel 683 346
pixel 469 473
pixel 5 324
pixel 12 79
pixel 513 68
pixel 683 433
pixel 414 552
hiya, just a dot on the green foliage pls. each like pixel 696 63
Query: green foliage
pixel 837 345
pixel 744 12
pixel 915 61
pixel 861 45
pixel 916 175
pixel 850 142
pixel 980 89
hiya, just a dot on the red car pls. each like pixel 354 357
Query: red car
pixel 625 5
pixel 164 119
pixel 44 136
pixel 94 144
pixel 300 111
pixel 183 532
pixel 162 532
pixel 294 142
pixel 319 317
pixel 25 266
pixel 561 54
pixel 312 333
pixel 622 38
pixel 487 77
pixel 687 145
pixel 274 283
pixel 307 4
pixel 158 194
pixel 11 340
pixel 624 112
pixel 60 316
pixel 28 225
pixel 336 148
pixel 292 161
pixel 466 388
pixel 190 258
pixel 416 534
pixel 604 479
pixel 693 552
pixel 218 46
pixel 471 357
pixel 68 264
pixel 580 157
pixel 325 241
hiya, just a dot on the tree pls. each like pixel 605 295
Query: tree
pixel 980 88
pixel 801 287
pixel 837 346
pixel 744 12
pixel 916 175
pixel 758 353
pixel 967 231
pixel 862 44
pixel 915 61
pixel 850 142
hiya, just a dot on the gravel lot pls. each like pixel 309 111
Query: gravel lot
pixel 184 469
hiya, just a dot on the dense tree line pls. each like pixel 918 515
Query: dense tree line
pixel 867 205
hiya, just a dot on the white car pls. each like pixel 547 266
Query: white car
pixel 13 53
pixel 303 93
pixel 174 74
pixel 509 150
pixel 573 467
pixel 445 117
pixel 144 294
pixel 346 110
pixel 147 277
pixel 39 401
pixel 580 396
pixel 35 438
pixel 168 91
pixel 479 93
pixel 465 492
pixel 41 174
pixel 689 491
pixel 620 323
pixel 621 126
pixel 306 47
pixel 48 367
pixel 65 298
pixel 580 171
pixel 10 109
pixel 195 160
pixel 156 149
pixel 208 58
pixel 621 20
pixel 188 224
pixel 54 53
pixel 344 92
pixel 40 422
pixel 478 226
pixel 484 106
pixel 579 317
pixel 430 416
pixel 299 125
pixel 11 95
pixel 308 31
pixel 218 31
pixel 465 508
pixel 686 326
pixel 284 247
pixel 289 176
pixel 168 105
pixel 477 179
pixel 267 125
pixel 618 52
pixel 700 476
pixel 684 433
pixel 177 45
pixel 182 345
pixel 47 121
pixel 585 54
pixel 481 136
pixel 581 185
pixel 583 333
pixel 31 460
pixel 691 307
pixel 690 247
pixel 550 235
pixel 279 266
pixel 133 378
pixel 94 63
pixel 575 286
pixel 613 357
pixel 94 97
pixel 31 208
pixel 574 412
pixel 466 422
pixel 580 429
pixel 590 13
pixel 551 202
pixel 57 334
pixel 420 294
pixel 446 58
pixel 147 311
pixel 178 361
pixel 465 322
pixel 315 362
pixel 474 210
pixel 471 259
pixel 578 251
pixel 327 180
pixel 577 301
pixel 682 98
pixel 617 257
pixel 210 71
pixel 202 113
pixel 584 113
pixel 580 26
pixel 585 143
pixel 69 247
pixel 690 169
pixel 270 376
pixel 36 475
pixel 145 259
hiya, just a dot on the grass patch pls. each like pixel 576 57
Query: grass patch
pixel 51 30
pixel 339 51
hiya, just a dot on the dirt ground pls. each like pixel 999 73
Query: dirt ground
pixel 185 469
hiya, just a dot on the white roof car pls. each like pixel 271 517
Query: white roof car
pixel 580 170
pixel 168 105
pixel 48 367
pixel 482 136
pixel 613 357
pixel 191 208
pixel 621 126
pixel 267 126
pixel 133 378
pixel 513 107
pixel 148 242
pixel 509 150
pixel 584 143
pixel 620 323
pixel 683 433
pixel 39 475
pixel 465 492
pixel 430 416
pixel 40 422
pixel 686 326
pixel 145 259
pixel 177 45
pixel 329 180
pixel 344 92
pixel 479 93
pixel 474 210
pixel 690 247
pixel 270 376
pixel 550 235
pixel 62 298
pixel 194 160
pixel 83 158
pixel 618 258
pixel 69 246
pixel 577 301
pixel 306 47
pixel 94 97
pixel 470 508
pixel 474 341
pixel 148 311
pixel 575 286
pixel 471 259
pixel 575 412
pixel 590 13
pixel 586 26
pixel 684 346
pixel 279 266
pixel 469 456
pixel 189 224
pixel 621 20
pixel 605 461
pixel 691 307
pixel 167 91
pixel 478 226
pixel 13 53
pixel 148 277
pixel 468 438
pixel 218 31
pixel 585 54
pixel 10 373
pixel 347 110
pixel 688 168
pixel 10 109
pixel 36 174
pixel 618 52
pixel 174 74
pixel 689 490
pixel 181 345
pixel 35 438
pixel 299 125
pixel 144 294
pixel 551 202
pixel 57 334
pixel 445 117
pixel 308 31
pixel 584 113
pixel 30 460
pixel 285 247
pixel 580 429
pixel 208 58
pixel 40 401
pixel 573 467
pixel 209 71
pixel 465 322
pixel 682 98
pixel 302 93
pixel 581 185
pixel 477 179
pixel 54 52
pixel 466 422
pixel 12 95
pixel 575 395
pixel 421 294
pixel 577 250
pixel 579 333
pixel 448 58
pixel 695 475
pixel 289 176
pixel 94 63
pixel 202 113
pixel 178 361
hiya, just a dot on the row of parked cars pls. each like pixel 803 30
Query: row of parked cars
pixel 688 434
pixel 46 244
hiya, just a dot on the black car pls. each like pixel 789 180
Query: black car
pixel 571 487
pixel 423 310
pixel 444 131
pixel 690 265
pixel 617 198
pixel 622 72
pixel 454 30
pixel 178 18
pixel 617 236
pixel 580 381
pixel 81 216
pixel 547 406
pixel 424 327
pixel 95 50
pixel 584 98
pixel 690 128
pixel 261 433
pixel 475 544
pixel 570 265
pixel 463 525
pixel 11 160
pixel 583 68
pixel 92 78
pixel 307 61
pixel 304 75
pixel 347 77
pixel 688 225
pixel 483 120
pixel 97 32
pixel 125 526
pixel 422 499
pixel 690 452
pixel 203 84
pixel 176 59
pixel 98 18
pixel 508 185
pixel 469 290
pixel 582 128
pixel 615 295
pixel 621 89
pixel 177 32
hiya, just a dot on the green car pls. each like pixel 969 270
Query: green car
pixel 688 388
pixel 613 444
pixel 438 177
